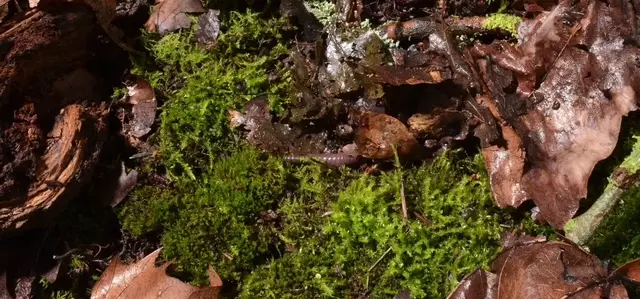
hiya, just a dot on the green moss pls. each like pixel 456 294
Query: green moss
pixel 217 222
pixel 365 221
pixel 202 85
pixel 147 209
pixel 617 237
pixel 503 21
pixel 330 227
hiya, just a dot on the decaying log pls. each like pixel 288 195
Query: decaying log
pixel 73 147
pixel 41 45
pixel 53 112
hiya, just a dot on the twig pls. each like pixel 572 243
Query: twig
pixel 66 254
pixel 379 260
pixel 581 228
pixel 366 281
pixel 404 200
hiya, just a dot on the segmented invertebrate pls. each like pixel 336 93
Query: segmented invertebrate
pixel 333 160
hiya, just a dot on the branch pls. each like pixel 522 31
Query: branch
pixel 581 228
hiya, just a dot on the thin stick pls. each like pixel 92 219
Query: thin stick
pixel 404 200
pixel 379 260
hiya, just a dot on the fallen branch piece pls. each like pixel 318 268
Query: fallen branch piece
pixel 581 228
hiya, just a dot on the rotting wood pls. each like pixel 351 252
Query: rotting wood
pixel 73 148
pixel 52 125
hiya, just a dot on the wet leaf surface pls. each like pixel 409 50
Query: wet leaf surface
pixel 478 284
pixel 533 268
pixel 589 81
pixel 171 15
pixel 146 281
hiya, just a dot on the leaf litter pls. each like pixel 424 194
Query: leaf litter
pixel 537 268
pixel 146 281
pixel 546 110
pixel 589 83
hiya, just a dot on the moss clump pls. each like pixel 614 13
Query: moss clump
pixel 503 21
pixel 201 85
pixel 214 221
pixel 428 259
pixel 147 209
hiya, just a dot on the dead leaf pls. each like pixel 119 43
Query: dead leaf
pixel 630 270
pixel 539 269
pixel 120 186
pixel 171 15
pixel 208 28
pixel 478 284
pixel 436 123
pixel 143 280
pixel 404 294
pixel 143 98
pixel 589 83
pixel 548 270
pixel 52 274
pixel 378 134
pixel 4 289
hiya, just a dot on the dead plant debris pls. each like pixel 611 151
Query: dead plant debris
pixel 171 15
pixel 146 281
pixel 546 269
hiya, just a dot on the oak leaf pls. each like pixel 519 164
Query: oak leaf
pixel 143 280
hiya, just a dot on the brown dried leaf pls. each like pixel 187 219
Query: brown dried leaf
pixel 533 268
pixel 549 270
pixel 143 280
pixel 4 289
pixel 378 134
pixel 630 270
pixel 590 84
pixel 478 284
pixel 208 28
pixel 171 15
pixel 435 124
pixel 618 291
pixel 143 98
pixel 120 186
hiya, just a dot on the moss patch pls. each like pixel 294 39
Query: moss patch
pixel 331 227
pixel 200 86
pixel 503 21
pixel 461 234
pixel 277 231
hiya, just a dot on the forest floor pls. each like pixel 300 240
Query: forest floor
pixel 319 149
